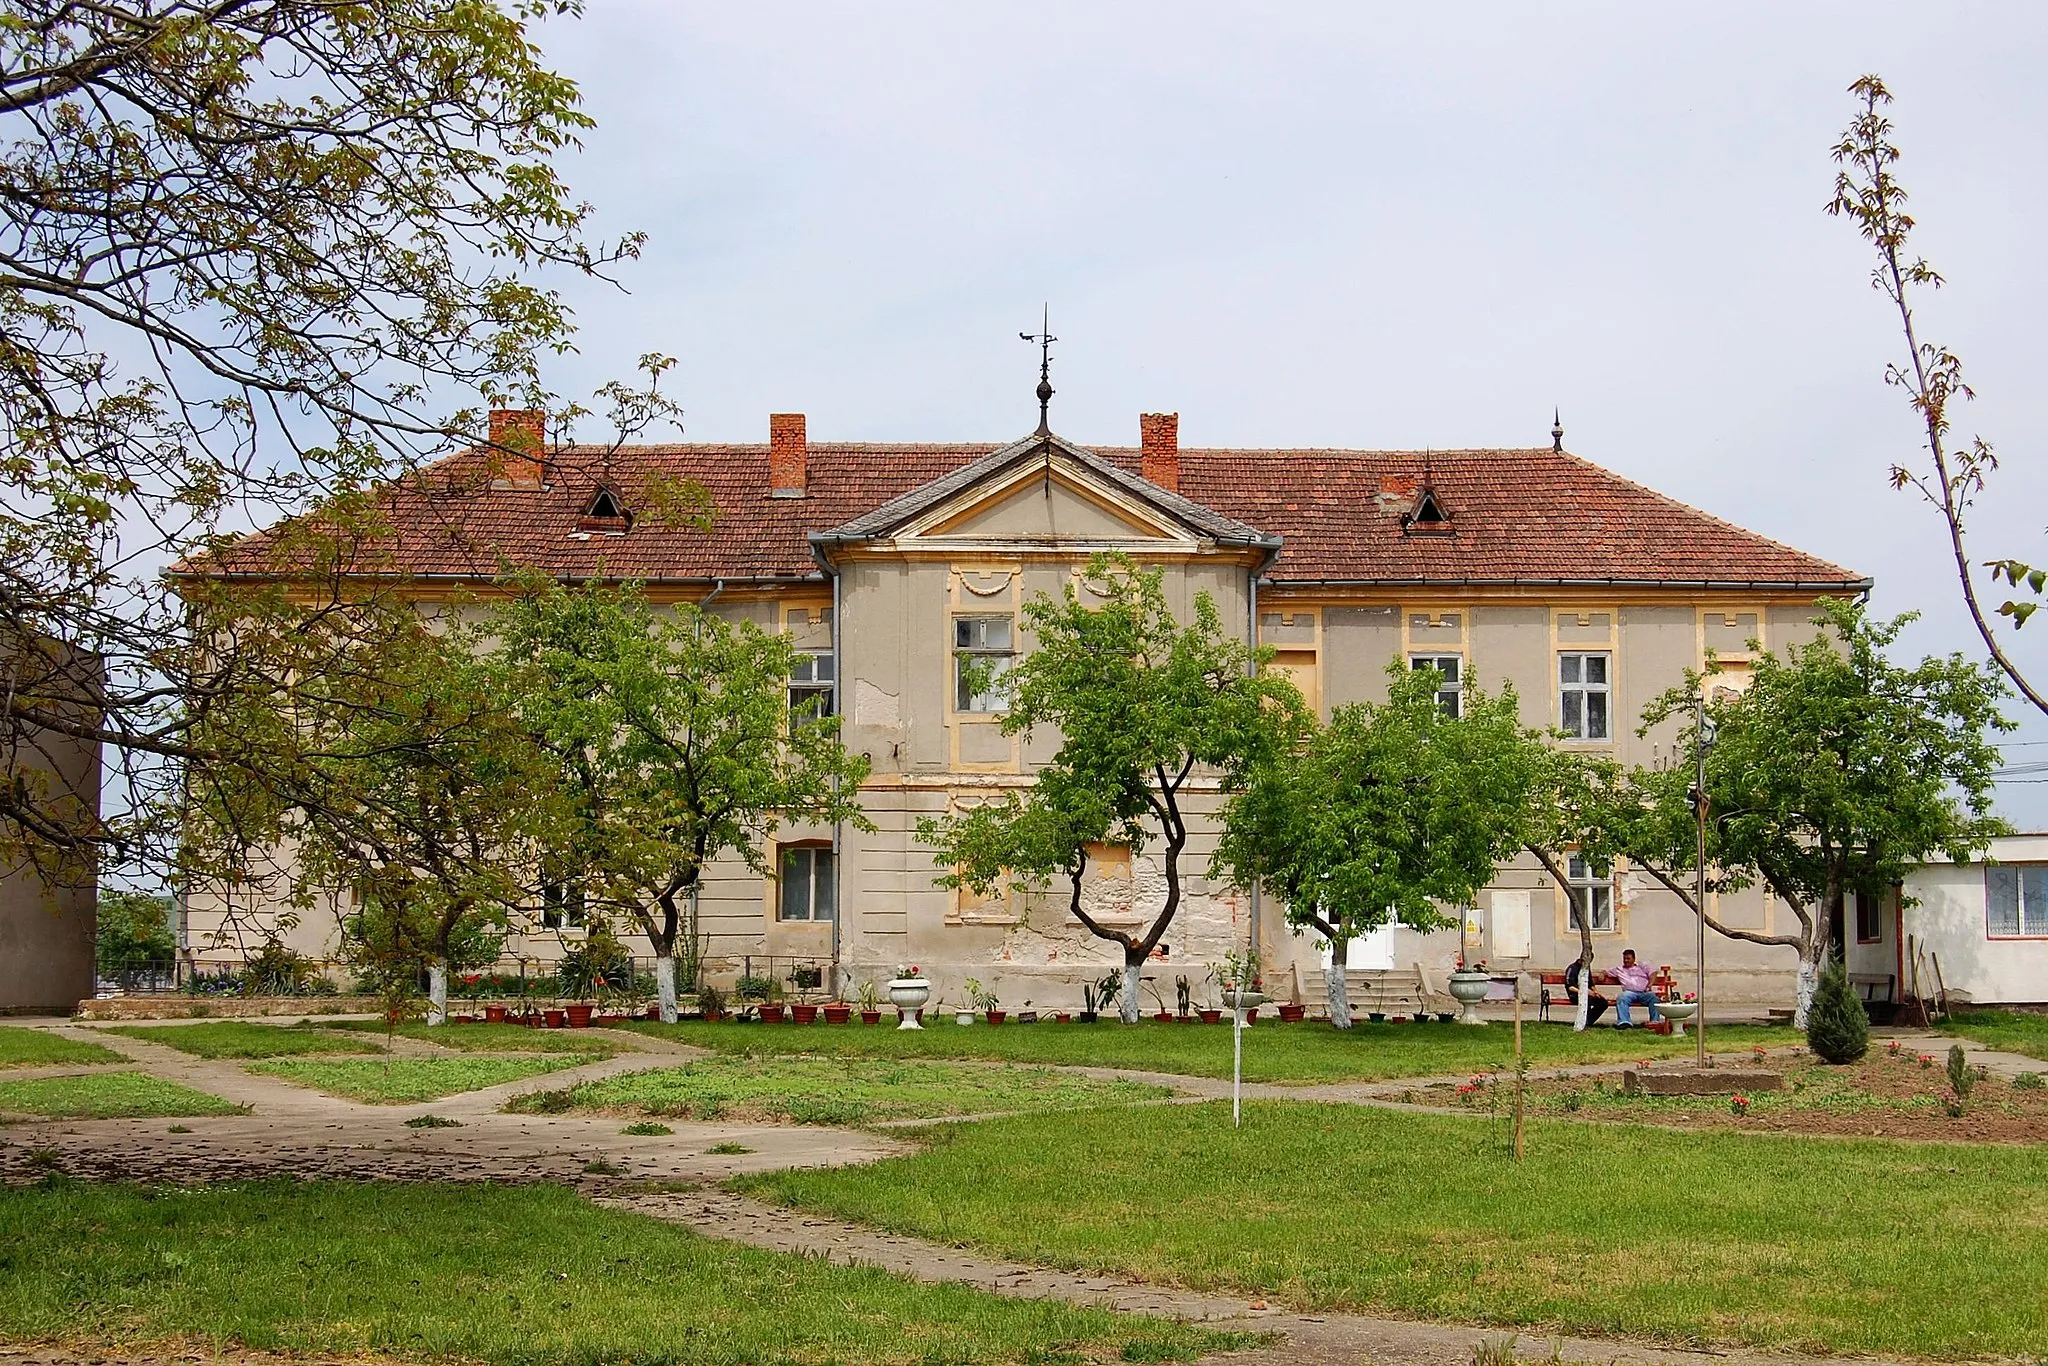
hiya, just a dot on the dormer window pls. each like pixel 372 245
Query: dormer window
pixel 1429 517
pixel 605 513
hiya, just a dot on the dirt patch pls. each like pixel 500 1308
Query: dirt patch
pixel 1887 1095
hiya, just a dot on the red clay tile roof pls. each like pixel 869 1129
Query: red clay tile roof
pixel 1516 516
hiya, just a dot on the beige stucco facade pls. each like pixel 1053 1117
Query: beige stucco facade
pixel 887 610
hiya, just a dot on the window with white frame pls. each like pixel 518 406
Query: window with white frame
pixel 1450 696
pixel 809 891
pixel 1583 680
pixel 2016 901
pixel 1591 887
pixel 982 655
pixel 561 899
pixel 812 684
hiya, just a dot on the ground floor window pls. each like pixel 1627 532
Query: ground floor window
pixel 809 889
pixel 2016 901
pixel 1591 886
pixel 1869 918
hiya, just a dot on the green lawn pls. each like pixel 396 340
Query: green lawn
pixel 39 1048
pixel 108 1095
pixel 1821 1245
pixel 2010 1031
pixel 240 1039
pixel 491 1038
pixel 1272 1051
pixel 401 1081
pixel 837 1090
pixel 509 1275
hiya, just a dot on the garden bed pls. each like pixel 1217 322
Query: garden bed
pixel 1884 1096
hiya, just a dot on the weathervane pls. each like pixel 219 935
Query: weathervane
pixel 1045 339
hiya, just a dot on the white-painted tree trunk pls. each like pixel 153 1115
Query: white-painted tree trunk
pixel 437 993
pixel 1338 989
pixel 1809 980
pixel 665 986
pixel 1128 1007
pixel 1579 1020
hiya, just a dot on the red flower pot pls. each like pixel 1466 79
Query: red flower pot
pixel 771 1012
pixel 871 1017
pixel 714 1016
pixel 1251 1015
pixel 1292 1014
pixel 835 1014
pixel 1164 1017
pixel 1211 1016
pixel 555 1019
pixel 494 1014
pixel 804 1014
pixel 1065 1017
pixel 996 1017
pixel 652 1013
pixel 579 1016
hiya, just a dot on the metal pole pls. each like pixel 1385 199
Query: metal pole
pixel 1699 745
pixel 1236 1066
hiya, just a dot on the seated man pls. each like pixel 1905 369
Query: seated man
pixel 1597 1005
pixel 1634 978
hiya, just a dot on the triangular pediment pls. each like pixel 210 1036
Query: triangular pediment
pixel 1051 503
pixel 1047 493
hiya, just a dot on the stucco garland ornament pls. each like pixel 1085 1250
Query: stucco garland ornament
pixel 909 989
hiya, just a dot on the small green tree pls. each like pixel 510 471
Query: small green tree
pixel 1581 805
pixel 133 936
pixel 1832 774
pixel 675 742
pixel 1144 706
pixel 1837 1029
pixel 1391 810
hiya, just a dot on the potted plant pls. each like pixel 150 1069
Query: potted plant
pixel 985 1001
pixel 711 1003
pixel 1027 1015
pixel 1088 1013
pixel 837 1012
pixel 494 1014
pixel 553 1017
pixel 1469 985
pixel 805 980
pixel 1678 1011
pixel 972 989
pixel 1183 999
pixel 1243 991
pixel 870 1003
pixel 908 991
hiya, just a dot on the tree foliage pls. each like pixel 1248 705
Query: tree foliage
pixel 1868 193
pixel 132 935
pixel 1392 810
pixel 674 741
pixel 253 255
pixel 1833 773
pixel 1145 706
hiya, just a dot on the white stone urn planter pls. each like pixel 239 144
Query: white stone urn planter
pixel 1242 1002
pixel 908 995
pixel 1469 989
pixel 963 1017
pixel 1678 1012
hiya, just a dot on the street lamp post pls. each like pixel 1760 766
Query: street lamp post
pixel 1703 740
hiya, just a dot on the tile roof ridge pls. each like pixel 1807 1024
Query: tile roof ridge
pixel 1848 575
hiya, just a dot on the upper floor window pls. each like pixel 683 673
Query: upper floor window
pixel 1583 678
pixel 561 899
pixel 2016 901
pixel 809 888
pixel 1450 696
pixel 812 685
pixel 982 656
pixel 1592 887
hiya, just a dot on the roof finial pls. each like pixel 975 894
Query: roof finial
pixel 1556 430
pixel 1045 339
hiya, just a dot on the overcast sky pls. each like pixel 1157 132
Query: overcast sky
pixel 1342 225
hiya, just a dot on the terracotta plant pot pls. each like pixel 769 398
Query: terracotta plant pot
pixel 996 1017
pixel 555 1019
pixel 1213 1016
pixel 1292 1014
pixel 1164 1017
pixel 871 1017
pixel 579 1016
pixel 1251 1015
pixel 804 1014
pixel 771 1012
pixel 714 1016
pixel 494 1014
pixel 1065 1017
pixel 651 1013
pixel 837 1014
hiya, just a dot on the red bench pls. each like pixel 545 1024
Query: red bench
pixel 1663 982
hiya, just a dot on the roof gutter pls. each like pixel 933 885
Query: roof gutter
pixel 1858 586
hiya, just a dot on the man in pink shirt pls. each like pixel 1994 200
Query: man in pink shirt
pixel 1634 979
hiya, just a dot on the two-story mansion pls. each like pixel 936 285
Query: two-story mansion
pixel 889 563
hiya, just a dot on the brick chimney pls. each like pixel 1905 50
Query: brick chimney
pixel 521 436
pixel 1159 435
pixel 788 452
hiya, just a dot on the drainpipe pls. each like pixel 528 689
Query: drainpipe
pixel 838 827
pixel 1252 641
